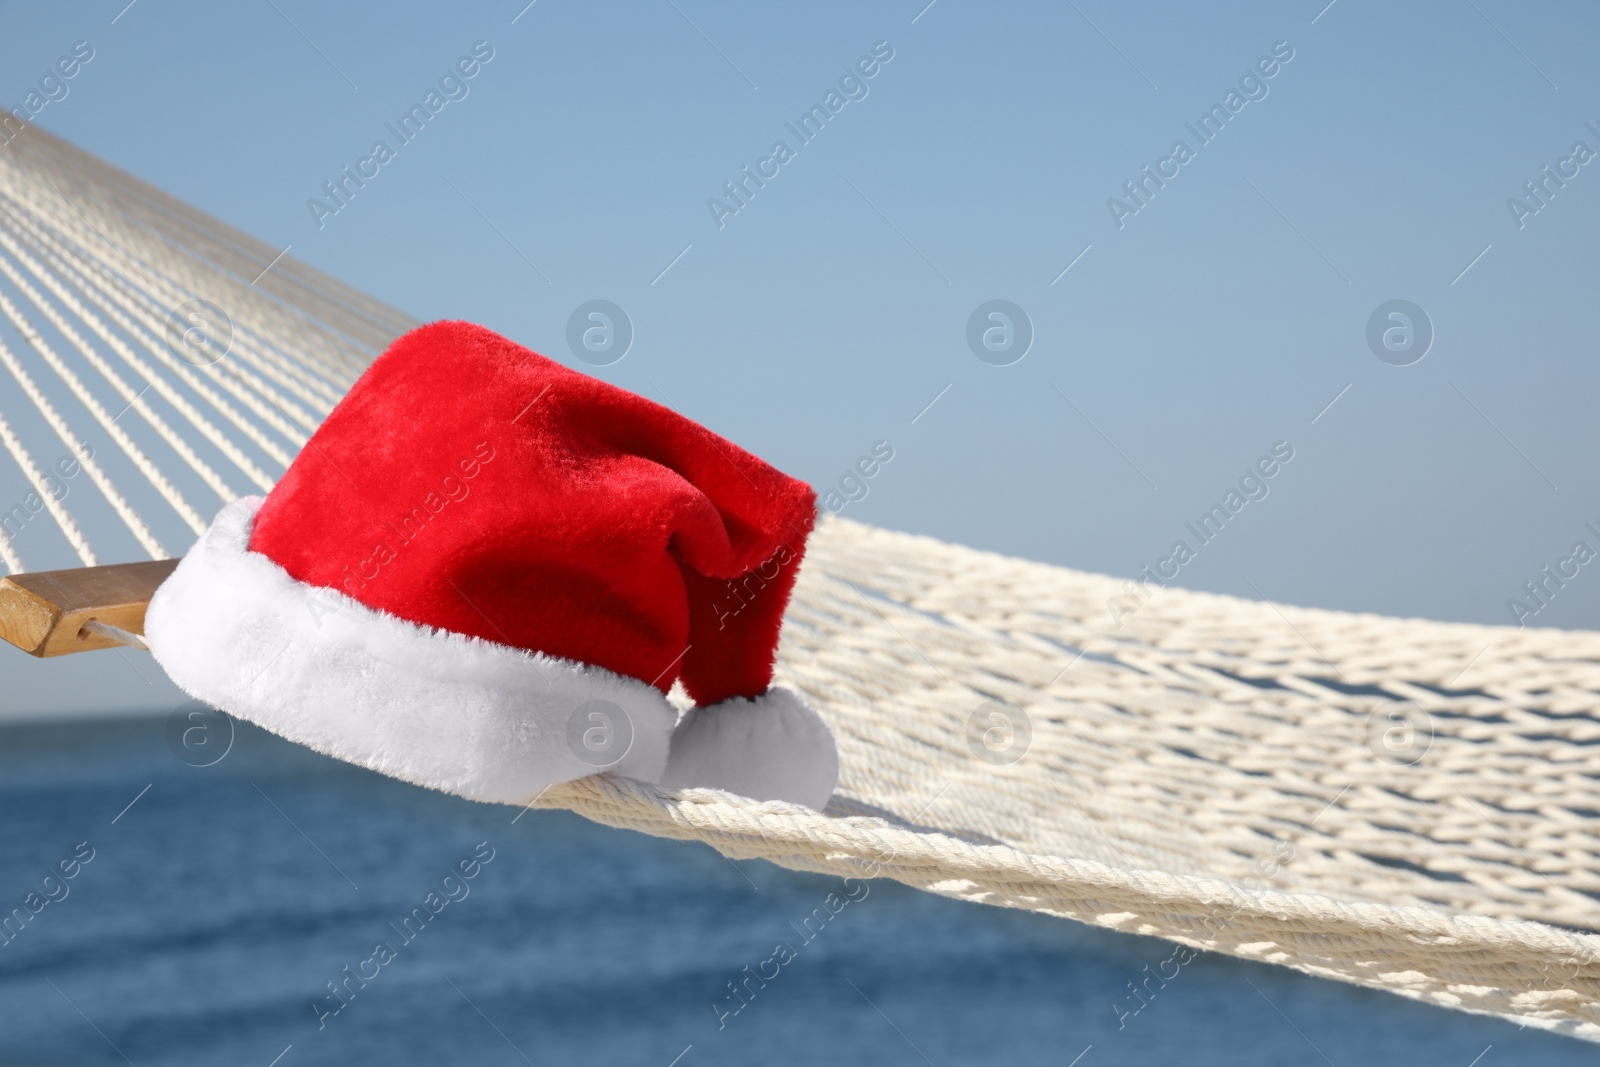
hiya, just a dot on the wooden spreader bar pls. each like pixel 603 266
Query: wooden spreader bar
pixel 44 612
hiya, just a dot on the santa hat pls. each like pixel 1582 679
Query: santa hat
pixel 484 573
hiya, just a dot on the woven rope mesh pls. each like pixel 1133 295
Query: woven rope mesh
pixel 1394 802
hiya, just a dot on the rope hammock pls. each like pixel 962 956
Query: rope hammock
pixel 1401 804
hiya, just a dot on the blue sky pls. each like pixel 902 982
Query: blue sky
pixel 976 164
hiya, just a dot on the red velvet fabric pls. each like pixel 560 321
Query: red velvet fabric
pixel 469 484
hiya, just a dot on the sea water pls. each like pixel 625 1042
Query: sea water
pixel 278 907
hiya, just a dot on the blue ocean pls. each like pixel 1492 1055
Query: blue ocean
pixel 274 907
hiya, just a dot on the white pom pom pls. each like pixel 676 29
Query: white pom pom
pixel 770 747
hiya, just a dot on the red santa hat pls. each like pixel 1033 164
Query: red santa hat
pixel 484 573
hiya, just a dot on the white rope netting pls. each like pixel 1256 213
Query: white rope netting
pixel 1403 804
pixel 115 352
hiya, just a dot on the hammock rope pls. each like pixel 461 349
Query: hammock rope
pixel 74 306
pixel 1401 804
pixel 64 519
pixel 184 374
pixel 247 389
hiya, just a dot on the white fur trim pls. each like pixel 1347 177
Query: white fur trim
pixel 770 747
pixel 440 709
